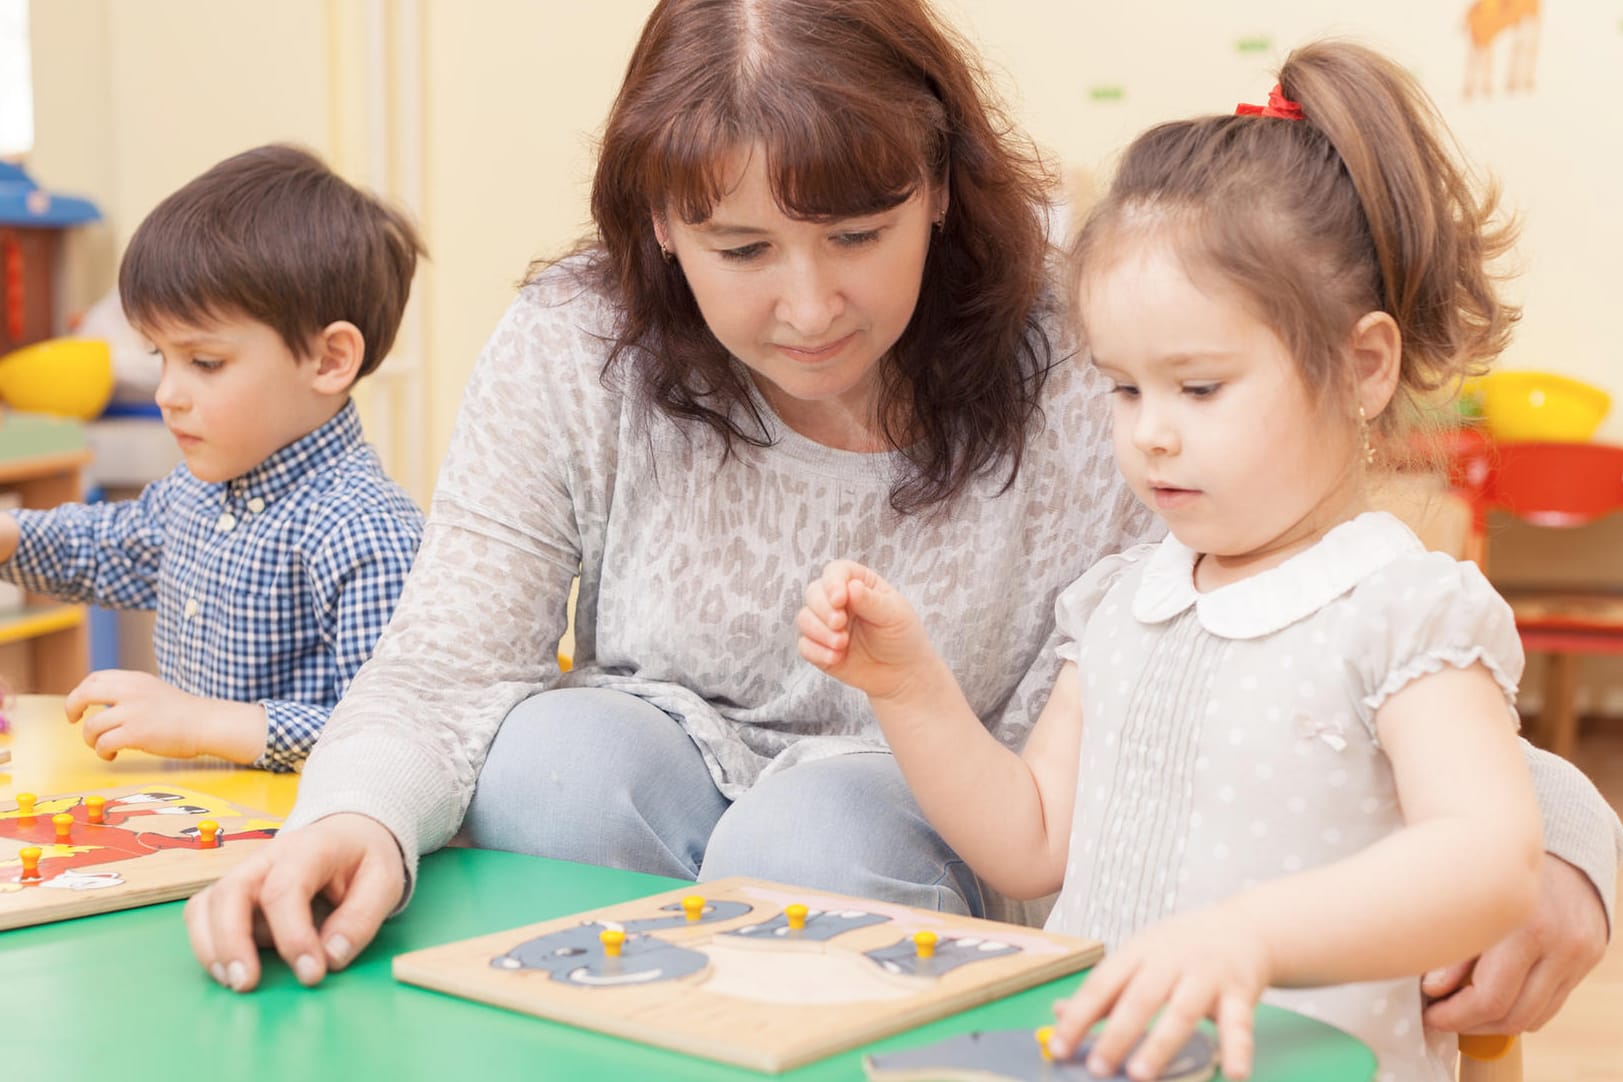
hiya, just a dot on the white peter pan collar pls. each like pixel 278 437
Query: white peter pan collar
pixel 1280 596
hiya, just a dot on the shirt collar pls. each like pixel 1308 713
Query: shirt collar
pixel 1280 596
pixel 312 453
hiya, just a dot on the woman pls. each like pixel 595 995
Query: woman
pixel 814 322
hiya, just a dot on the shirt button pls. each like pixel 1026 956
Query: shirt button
pixel 256 505
pixel 191 607
pixel 225 522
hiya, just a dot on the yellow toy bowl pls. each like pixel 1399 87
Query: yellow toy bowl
pixel 68 376
pixel 1540 406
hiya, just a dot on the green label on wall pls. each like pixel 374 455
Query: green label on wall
pixel 1260 43
pixel 1107 93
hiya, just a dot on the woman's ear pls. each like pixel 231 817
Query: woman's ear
pixel 339 350
pixel 662 232
pixel 1376 348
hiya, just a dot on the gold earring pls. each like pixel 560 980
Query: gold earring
pixel 1363 433
pixel 665 253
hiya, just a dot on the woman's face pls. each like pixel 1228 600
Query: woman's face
pixel 809 307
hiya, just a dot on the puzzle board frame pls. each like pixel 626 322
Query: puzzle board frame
pixel 141 856
pixel 722 1012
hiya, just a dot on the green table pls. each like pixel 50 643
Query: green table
pixel 118 997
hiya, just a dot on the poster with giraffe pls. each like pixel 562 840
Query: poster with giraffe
pixel 74 854
pixel 749 972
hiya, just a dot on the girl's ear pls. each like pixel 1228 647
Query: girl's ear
pixel 1376 348
pixel 339 350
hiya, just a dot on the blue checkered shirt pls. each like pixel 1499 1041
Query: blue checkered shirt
pixel 272 587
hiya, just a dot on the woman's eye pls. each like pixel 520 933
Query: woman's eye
pixel 857 239
pixel 744 254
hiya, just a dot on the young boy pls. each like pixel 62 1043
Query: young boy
pixel 274 554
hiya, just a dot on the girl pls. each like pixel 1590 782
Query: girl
pixel 1299 767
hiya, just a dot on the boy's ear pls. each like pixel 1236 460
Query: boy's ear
pixel 339 350
pixel 1376 348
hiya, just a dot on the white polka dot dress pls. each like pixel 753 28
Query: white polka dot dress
pixel 1229 737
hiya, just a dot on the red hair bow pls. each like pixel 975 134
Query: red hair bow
pixel 1278 106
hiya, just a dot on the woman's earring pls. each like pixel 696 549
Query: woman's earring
pixel 665 253
pixel 941 223
pixel 1363 433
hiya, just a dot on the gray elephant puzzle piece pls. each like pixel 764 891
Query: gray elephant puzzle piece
pixel 822 925
pixel 1013 1054
pixel 903 955
pixel 576 956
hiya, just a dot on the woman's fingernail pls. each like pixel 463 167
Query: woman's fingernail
pixel 307 969
pixel 338 949
pixel 237 976
pixel 217 971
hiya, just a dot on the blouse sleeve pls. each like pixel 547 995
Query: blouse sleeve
pixel 1078 600
pixel 1425 613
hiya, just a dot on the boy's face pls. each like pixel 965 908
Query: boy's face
pixel 233 394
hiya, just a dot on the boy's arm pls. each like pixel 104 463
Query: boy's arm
pixel 357 576
pixel 103 554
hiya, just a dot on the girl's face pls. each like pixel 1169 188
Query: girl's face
pixel 810 308
pixel 1214 427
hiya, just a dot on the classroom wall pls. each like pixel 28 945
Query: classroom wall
pixel 490 109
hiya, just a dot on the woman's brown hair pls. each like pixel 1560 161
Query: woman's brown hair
pixel 857 104
pixel 1361 206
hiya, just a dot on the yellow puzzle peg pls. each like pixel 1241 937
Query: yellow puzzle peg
pixel 208 834
pixel 64 828
pixel 612 939
pixel 796 916
pixel 1044 1035
pixel 925 943
pixel 30 855
pixel 96 808
pixel 25 809
pixel 693 907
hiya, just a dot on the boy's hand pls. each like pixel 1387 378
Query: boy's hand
pixel 1210 963
pixel 144 713
pixel 859 630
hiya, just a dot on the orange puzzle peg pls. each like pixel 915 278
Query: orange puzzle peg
pixel 1044 1035
pixel 64 827
pixel 25 809
pixel 96 808
pixel 612 939
pixel 693 907
pixel 30 855
pixel 796 916
pixel 208 834
pixel 925 943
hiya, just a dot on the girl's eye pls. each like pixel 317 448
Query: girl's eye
pixel 1201 390
pixel 744 254
pixel 207 365
pixel 857 239
pixel 1124 390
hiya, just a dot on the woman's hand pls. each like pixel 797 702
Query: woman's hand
pixel 349 861
pixel 1211 963
pixel 859 630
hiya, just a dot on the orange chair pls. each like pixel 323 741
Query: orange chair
pixel 1556 485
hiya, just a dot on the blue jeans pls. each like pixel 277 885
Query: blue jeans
pixel 602 777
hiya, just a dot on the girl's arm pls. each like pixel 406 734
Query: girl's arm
pixel 1007 815
pixel 1460 874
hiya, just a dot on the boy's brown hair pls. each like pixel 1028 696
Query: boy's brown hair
pixel 273 235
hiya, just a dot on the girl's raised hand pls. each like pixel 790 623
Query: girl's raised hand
pixel 858 629
pixel 1210 963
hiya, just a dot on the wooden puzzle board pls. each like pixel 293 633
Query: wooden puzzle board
pixel 146 851
pixel 737 985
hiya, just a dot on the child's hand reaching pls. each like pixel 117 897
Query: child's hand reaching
pixel 1210 963
pixel 144 713
pixel 859 630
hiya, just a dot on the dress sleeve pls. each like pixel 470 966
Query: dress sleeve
pixel 1425 613
pixel 1077 602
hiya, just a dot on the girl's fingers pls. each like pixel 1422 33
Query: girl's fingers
pixel 1134 1008
pixel 819 605
pixel 1188 1005
pixel 1235 1039
pixel 1075 1016
pixel 816 629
